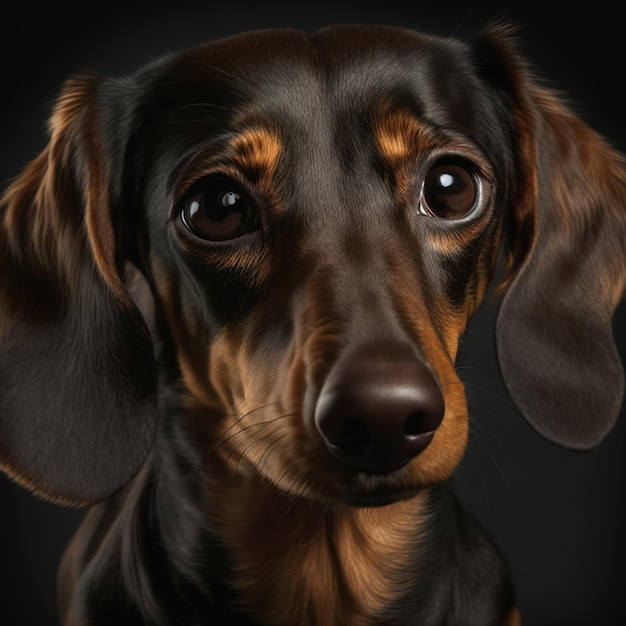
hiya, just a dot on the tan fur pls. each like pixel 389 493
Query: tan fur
pixel 400 136
pixel 298 562
pixel 257 152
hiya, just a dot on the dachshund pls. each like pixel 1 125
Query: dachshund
pixel 233 287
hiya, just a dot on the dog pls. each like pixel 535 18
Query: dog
pixel 233 286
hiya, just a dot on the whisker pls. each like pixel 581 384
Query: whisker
pixel 230 433
pixel 238 421
pixel 492 414
pixel 256 442
pixel 494 460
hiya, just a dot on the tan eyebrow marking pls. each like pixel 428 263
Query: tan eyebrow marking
pixel 400 138
pixel 256 152
pixel 399 135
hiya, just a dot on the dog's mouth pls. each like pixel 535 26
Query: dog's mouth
pixel 379 498
pixel 319 478
pixel 364 490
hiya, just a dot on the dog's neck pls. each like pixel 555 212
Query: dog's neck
pixel 294 561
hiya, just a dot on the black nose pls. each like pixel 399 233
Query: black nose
pixel 379 408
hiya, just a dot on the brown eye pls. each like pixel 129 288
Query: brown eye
pixel 218 211
pixel 450 191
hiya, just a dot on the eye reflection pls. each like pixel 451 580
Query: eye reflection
pixel 218 211
pixel 450 191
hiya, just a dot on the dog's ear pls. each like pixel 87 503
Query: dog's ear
pixel 565 269
pixel 77 372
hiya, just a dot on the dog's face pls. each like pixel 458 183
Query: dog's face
pixel 312 198
pixel 317 218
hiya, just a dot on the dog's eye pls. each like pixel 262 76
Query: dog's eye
pixel 450 191
pixel 218 211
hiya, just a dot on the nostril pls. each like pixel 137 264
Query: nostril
pixel 422 422
pixel 414 423
pixel 355 437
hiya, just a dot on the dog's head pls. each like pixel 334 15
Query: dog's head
pixel 314 219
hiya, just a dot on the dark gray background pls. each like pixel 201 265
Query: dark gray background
pixel 558 515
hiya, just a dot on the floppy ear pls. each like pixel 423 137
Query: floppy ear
pixel 567 239
pixel 77 372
